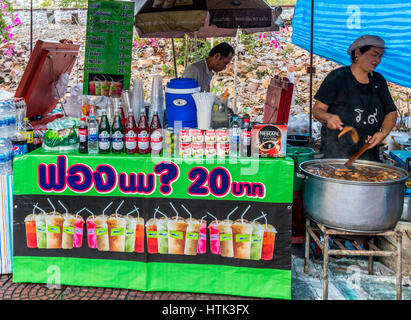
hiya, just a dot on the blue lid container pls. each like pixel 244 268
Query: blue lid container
pixel 180 105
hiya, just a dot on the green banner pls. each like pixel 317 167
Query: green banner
pixel 108 53
pixel 154 223
pixel 248 179
pixel 267 283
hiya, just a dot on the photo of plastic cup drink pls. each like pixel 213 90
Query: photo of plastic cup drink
pixel 92 88
pixel 105 88
pixel 268 242
pixel 78 232
pixel 177 228
pixel 101 233
pixel 242 230
pixel 256 241
pixel 68 231
pixel 192 237
pixel 131 225
pixel 31 237
pixel 162 235
pixel 139 245
pixel 116 224
pixel 119 87
pixel 114 89
pixel 214 237
pixel 98 85
pixel 202 238
pixel 41 231
pixel 152 238
pixel 226 238
pixel 54 229
pixel 91 233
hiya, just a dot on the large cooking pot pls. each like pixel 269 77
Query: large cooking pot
pixel 357 206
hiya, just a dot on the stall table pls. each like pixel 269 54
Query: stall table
pixel 239 259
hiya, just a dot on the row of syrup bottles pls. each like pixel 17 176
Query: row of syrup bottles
pixel 125 135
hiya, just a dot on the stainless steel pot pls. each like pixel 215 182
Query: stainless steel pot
pixel 406 211
pixel 356 206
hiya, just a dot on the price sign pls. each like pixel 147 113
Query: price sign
pixel 107 64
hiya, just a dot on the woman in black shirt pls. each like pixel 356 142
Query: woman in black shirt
pixel 356 96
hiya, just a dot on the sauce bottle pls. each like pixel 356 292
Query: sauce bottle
pixel 130 134
pixel 156 135
pixel 143 134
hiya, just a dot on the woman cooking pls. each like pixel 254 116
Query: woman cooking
pixel 356 96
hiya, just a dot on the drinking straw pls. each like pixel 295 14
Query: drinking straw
pixel 174 209
pixel 107 207
pixel 131 211
pixel 155 211
pixel 212 216
pixel 231 213
pixel 39 208
pixel 138 213
pixel 34 208
pixel 202 218
pixel 90 212
pixel 161 213
pixel 64 207
pixel 187 212
pixel 52 206
pixel 119 208
pixel 80 211
pixel 259 217
pixel 265 219
pixel 242 222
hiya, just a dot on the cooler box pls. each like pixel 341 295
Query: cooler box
pixel 180 105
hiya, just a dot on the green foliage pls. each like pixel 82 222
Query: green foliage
pixel 63 3
pixel 249 41
pixel 167 71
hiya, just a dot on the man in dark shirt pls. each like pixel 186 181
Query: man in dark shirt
pixel 356 96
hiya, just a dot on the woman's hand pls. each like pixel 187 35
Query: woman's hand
pixel 375 140
pixel 334 122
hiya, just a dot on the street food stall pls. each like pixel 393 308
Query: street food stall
pixel 132 196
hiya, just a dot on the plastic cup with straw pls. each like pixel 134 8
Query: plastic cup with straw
pixel 54 229
pixel 177 229
pixel 152 237
pixel 40 227
pixel 139 243
pixel 257 238
pixel 131 226
pixel 116 225
pixel 192 234
pixel 214 235
pixel 91 230
pixel 69 225
pixel 267 251
pixel 202 240
pixel 162 233
pixel 100 222
pixel 242 231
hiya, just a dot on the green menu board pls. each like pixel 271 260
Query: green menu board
pixel 107 64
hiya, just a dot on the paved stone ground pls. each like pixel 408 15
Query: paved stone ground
pixel 33 291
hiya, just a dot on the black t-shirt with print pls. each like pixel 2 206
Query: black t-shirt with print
pixel 362 106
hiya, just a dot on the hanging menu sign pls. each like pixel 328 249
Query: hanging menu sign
pixel 107 65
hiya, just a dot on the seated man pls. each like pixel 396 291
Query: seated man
pixel 202 71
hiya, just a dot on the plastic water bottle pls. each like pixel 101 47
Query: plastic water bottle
pixel 5 157
pixel 92 136
pixel 235 132
pixel 3 119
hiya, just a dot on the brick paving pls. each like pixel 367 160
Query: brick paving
pixel 35 291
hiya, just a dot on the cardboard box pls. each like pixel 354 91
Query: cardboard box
pixel 269 140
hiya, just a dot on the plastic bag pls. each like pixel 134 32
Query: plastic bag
pixel 61 135
pixel 72 104
pixel 61 85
